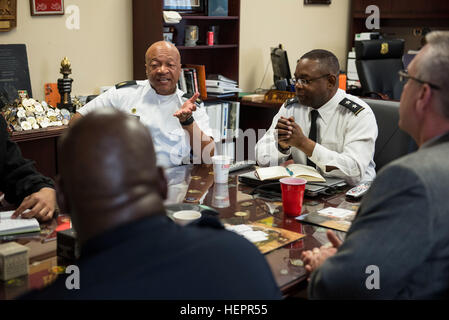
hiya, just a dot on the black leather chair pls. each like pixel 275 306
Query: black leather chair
pixel 378 63
pixel 391 142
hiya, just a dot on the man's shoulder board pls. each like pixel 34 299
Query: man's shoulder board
pixel 187 96
pixel 125 84
pixel 351 105
pixel 291 101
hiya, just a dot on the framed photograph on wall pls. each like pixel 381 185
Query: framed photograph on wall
pixel 317 1
pixel 187 6
pixel 46 7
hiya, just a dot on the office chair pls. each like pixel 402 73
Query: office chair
pixel 391 142
pixel 378 63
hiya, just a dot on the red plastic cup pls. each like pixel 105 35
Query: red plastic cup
pixel 292 195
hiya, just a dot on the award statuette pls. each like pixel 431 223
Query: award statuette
pixel 65 86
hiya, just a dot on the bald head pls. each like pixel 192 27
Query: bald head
pixel 163 67
pixel 108 174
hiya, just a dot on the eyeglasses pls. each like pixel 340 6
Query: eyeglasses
pixel 305 82
pixel 404 76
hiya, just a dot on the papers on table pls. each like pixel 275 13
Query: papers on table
pixel 10 226
pixel 248 232
pixel 337 213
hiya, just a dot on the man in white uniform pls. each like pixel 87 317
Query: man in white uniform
pixel 178 124
pixel 322 126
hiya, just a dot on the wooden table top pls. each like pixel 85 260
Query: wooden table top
pixel 193 184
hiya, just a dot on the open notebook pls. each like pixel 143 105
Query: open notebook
pixel 10 226
pixel 292 170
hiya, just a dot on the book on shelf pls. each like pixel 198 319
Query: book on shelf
pixel 222 90
pixel 182 82
pixel 220 77
pixel 190 81
pixel 195 78
pixel 292 170
pixel 221 95
pixel 220 84
pixel 10 226
pixel 201 78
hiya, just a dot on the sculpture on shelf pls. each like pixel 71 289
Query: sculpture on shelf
pixel 65 86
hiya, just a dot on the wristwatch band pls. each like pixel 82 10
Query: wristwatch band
pixel 189 121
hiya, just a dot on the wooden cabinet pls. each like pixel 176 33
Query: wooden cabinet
pixel 411 14
pixel 41 146
pixel 221 58
pixel 403 9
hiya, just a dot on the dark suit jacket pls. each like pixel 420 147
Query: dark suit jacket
pixel 402 227
pixel 18 177
pixel 153 258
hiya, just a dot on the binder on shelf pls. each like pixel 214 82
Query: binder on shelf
pixel 220 84
pixel 234 119
pixel 214 111
pixel 224 117
pixel 224 120
pixel 221 90
pixel 220 77
pixel 225 148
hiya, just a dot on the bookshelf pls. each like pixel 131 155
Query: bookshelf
pixel 222 58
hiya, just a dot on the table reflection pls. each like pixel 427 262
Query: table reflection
pixel 178 179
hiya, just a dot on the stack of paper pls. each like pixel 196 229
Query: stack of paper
pixel 218 85
pixel 10 226
pixel 248 232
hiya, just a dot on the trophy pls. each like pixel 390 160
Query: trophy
pixel 65 86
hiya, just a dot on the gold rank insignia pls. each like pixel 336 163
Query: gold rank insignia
pixel 384 48
pixel 125 84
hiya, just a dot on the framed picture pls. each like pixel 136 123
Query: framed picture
pixel 46 7
pixel 188 6
pixel 317 1
pixel 169 34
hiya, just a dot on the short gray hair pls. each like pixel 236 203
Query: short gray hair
pixel 434 66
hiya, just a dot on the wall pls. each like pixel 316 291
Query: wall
pixel 298 27
pixel 100 51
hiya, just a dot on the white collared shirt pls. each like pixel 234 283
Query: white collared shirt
pixel 344 140
pixel 155 111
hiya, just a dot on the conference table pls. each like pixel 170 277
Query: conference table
pixel 192 186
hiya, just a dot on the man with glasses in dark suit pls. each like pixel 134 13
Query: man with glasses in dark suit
pixel 397 246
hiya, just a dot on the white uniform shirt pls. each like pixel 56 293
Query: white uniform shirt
pixel 171 143
pixel 344 140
